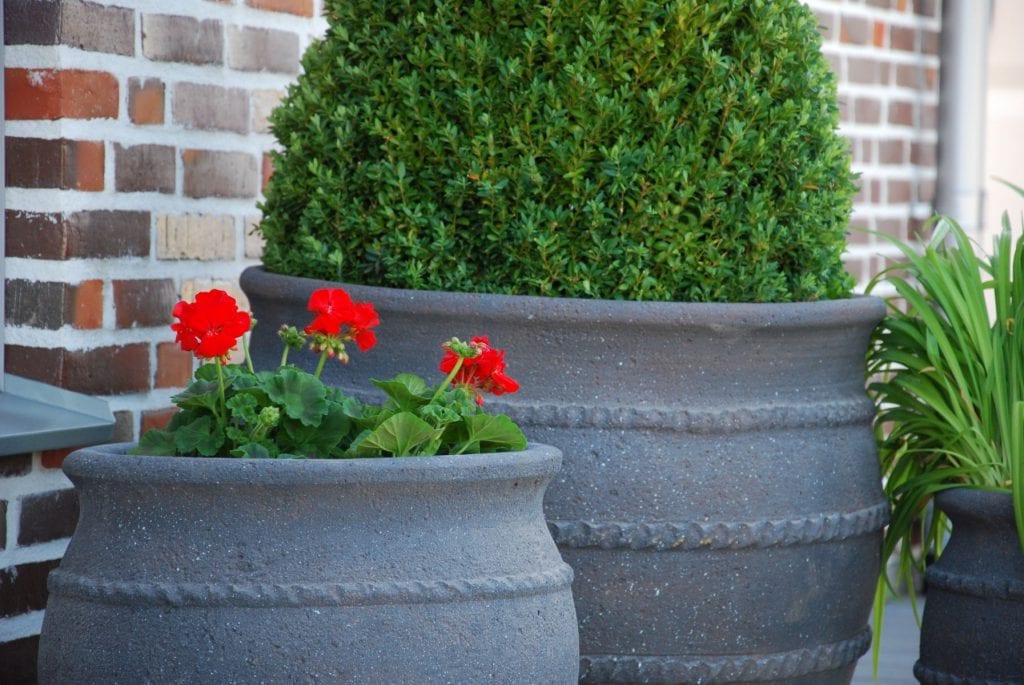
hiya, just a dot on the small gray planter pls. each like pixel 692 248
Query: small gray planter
pixel 720 501
pixel 415 570
pixel 973 620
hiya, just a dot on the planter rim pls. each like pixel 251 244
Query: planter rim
pixel 973 501
pixel 821 313
pixel 112 463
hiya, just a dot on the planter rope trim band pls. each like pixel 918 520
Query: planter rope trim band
pixel 726 669
pixel 828 527
pixel 705 422
pixel 242 594
pixel 929 676
pixel 958 583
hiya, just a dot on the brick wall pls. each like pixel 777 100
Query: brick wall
pixel 886 54
pixel 135 142
pixel 135 138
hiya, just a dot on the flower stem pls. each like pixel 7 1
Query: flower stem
pixel 223 402
pixel 248 357
pixel 448 381
pixel 320 364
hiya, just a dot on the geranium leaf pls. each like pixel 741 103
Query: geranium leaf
pixel 323 439
pixel 399 435
pixel 156 442
pixel 252 450
pixel 202 436
pixel 494 433
pixel 302 396
pixel 199 394
pixel 407 390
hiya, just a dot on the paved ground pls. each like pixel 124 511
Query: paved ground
pixel 899 648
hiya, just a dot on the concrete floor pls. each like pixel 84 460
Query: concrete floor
pixel 899 648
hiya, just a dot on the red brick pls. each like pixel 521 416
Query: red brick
pixel 929 116
pixel 23 587
pixel 124 426
pixel 173 366
pixel 925 8
pixel 15 465
pixel 144 168
pixel 57 163
pixel 926 191
pixel 863 70
pixel 86 305
pixel 880 30
pixel 69 93
pixel 19 659
pixel 923 154
pixel 144 302
pixel 169 38
pixel 930 41
pixel 259 49
pixel 146 101
pixel 904 38
pixel 898 192
pixel 856 30
pixel 89 234
pixel 268 170
pixel 50 305
pixel 892 151
pixel 901 113
pixel 54 459
pixel 114 370
pixel 156 419
pixel 867 110
pixel 303 8
pixel 910 75
pixel 97 28
pixel 47 516
pixel 209 107
pixel 894 227
pixel 214 173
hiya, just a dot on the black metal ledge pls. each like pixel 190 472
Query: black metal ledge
pixel 35 416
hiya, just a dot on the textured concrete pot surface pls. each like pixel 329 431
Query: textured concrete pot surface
pixel 418 570
pixel 720 497
pixel 974 617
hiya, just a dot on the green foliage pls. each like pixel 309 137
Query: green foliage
pixel 629 149
pixel 290 413
pixel 949 385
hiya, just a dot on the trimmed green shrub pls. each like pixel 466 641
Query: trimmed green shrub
pixel 618 149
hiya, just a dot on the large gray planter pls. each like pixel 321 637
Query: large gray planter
pixel 971 632
pixel 720 499
pixel 415 570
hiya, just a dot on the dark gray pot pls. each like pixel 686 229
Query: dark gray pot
pixel 720 500
pixel 973 624
pixel 415 570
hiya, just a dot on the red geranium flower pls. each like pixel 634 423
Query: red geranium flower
pixel 484 371
pixel 211 326
pixel 337 316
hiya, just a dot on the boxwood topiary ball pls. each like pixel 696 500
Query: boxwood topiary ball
pixel 625 149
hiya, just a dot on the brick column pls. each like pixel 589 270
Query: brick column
pixel 135 144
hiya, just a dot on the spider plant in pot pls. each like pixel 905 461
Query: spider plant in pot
pixel 947 364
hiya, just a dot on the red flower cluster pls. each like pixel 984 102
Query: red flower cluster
pixel 483 371
pixel 337 316
pixel 211 326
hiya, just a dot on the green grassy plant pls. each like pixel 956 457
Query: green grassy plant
pixel 948 370
pixel 630 149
